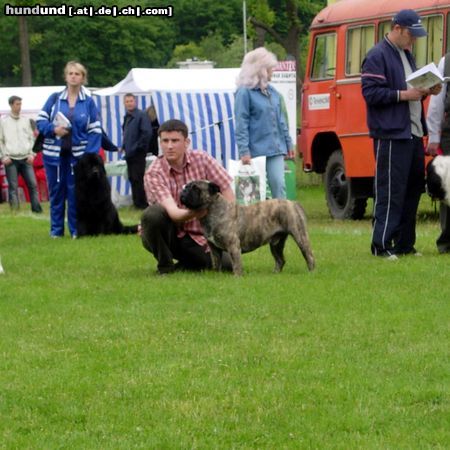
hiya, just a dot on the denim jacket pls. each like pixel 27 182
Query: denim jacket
pixel 261 123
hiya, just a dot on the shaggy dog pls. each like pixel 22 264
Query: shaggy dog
pixel 438 179
pixel 96 213
pixel 240 229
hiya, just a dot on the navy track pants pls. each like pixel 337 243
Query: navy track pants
pixel 399 183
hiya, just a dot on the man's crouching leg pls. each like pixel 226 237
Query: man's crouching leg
pixel 159 237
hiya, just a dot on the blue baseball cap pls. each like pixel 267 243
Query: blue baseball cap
pixel 410 19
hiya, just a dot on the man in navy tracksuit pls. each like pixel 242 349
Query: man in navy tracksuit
pixel 396 123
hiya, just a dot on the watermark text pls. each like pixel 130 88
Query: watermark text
pixel 87 11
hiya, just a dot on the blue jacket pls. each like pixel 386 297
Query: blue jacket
pixel 261 123
pixel 137 134
pixel 382 78
pixel 86 130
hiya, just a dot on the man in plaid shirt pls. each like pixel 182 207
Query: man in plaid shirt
pixel 169 230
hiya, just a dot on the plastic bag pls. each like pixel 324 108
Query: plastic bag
pixel 249 180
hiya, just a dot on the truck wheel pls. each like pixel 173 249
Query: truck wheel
pixel 338 191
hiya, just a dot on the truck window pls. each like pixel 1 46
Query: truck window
pixel 383 29
pixel 425 49
pixel 448 34
pixel 359 41
pixel 324 57
pixel 429 48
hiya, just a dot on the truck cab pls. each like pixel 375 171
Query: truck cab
pixel 334 139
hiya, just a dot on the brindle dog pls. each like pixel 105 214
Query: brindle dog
pixel 241 229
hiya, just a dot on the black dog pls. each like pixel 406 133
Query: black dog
pixel 96 213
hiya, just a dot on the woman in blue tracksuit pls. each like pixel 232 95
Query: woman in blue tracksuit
pixel 65 142
pixel 261 123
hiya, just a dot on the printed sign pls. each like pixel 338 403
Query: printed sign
pixel 284 81
pixel 318 101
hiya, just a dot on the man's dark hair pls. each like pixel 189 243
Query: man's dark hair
pixel 13 99
pixel 129 94
pixel 174 125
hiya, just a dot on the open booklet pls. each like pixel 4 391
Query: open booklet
pixel 60 120
pixel 426 77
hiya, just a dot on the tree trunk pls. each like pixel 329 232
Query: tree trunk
pixel 24 51
pixel 259 38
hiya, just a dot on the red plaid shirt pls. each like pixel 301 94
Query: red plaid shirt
pixel 162 181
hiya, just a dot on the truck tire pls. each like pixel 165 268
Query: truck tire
pixel 338 190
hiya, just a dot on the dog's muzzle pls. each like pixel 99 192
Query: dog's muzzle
pixel 189 196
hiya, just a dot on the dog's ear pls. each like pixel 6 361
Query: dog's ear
pixel 213 188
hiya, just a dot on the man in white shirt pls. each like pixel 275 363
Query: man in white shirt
pixel 438 122
pixel 16 144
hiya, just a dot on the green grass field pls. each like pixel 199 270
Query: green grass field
pixel 98 352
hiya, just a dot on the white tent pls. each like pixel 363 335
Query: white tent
pixel 33 98
pixel 202 98
pixel 182 80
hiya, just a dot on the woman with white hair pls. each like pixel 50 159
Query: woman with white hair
pixel 261 122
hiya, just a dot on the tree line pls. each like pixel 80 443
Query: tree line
pixel 34 49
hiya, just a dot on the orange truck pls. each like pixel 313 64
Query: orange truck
pixel 334 139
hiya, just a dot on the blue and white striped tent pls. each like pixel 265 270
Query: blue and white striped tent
pixel 202 98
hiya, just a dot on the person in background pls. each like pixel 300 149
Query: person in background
pixel 169 230
pixel 396 123
pixel 438 122
pixel 261 120
pixel 16 153
pixel 153 147
pixel 69 121
pixel 137 133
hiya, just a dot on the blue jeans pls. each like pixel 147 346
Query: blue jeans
pixel 13 170
pixel 275 176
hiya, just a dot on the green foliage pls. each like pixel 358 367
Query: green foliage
pixel 99 352
pixel 110 47
pixel 211 48
pixel 196 19
pixel 307 9
pixel 261 11
pixel 232 55
pixel 183 52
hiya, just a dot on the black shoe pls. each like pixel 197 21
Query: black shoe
pixel 166 270
pixel 442 249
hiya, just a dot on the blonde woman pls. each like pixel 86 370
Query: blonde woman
pixel 261 123
pixel 69 122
